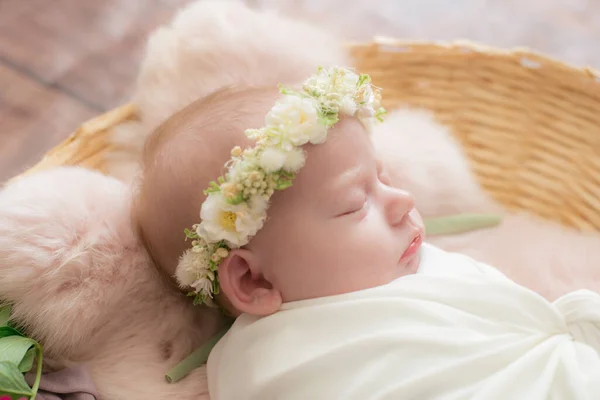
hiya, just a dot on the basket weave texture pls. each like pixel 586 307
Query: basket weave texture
pixel 529 125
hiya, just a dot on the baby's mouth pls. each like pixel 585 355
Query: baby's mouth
pixel 412 248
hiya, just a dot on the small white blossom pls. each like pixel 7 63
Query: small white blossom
pixel 203 285
pixel 191 266
pixel 369 107
pixel 272 159
pixel 348 82
pixel 348 106
pixel 294 160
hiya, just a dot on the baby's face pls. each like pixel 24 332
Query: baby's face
pixel 340 227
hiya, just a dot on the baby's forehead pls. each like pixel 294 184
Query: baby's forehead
pixel 348 148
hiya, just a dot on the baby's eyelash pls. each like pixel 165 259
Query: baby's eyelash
pixel 356 210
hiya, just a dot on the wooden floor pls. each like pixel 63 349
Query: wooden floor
pixel 64 61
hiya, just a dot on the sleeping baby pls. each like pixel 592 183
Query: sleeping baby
pixel 293 229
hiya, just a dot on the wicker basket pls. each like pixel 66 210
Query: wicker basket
pixel 530 125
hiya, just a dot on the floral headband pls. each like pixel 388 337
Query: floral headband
pixel 236 205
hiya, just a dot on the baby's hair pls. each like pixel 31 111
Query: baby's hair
pixel 224 109
pixel 182 155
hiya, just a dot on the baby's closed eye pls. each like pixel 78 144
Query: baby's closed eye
pixel 354 205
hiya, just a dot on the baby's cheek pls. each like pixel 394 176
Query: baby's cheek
pixel 373 247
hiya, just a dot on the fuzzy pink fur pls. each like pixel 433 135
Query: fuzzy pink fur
pixel 423 157
pixel 82 284
pixel 212 44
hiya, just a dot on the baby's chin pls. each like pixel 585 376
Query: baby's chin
pixel 411 266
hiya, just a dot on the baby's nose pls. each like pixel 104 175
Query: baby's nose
pixel 399 203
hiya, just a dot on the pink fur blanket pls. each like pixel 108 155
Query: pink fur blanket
pixel 81 283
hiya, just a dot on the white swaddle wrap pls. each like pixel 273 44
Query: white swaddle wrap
pixel 456 330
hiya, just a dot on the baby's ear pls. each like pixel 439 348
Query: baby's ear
pixel 245 286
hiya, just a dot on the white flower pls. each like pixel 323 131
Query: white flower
pixel 236 170
pixel 318 84
pixel 274 159
pixel 191 266
pixel 294 160
pixel 242 167
pixel 233 223
pixel 370 104
pixel 349 81
pixel 346 83
pixel 348 106
pixel 204 285
pixel 334 80
pixel 294 121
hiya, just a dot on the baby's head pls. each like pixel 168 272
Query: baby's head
pixel 338 228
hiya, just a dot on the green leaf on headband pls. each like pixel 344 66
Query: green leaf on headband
pixel 283 184
pixel 239 198
pixel 213 187
pixel 189 234
pixel 287 91
pixel 216 287
pixel 362 79
pixel 328 118
pixel 380 113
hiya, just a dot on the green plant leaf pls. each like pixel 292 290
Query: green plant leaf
pixel 196 359
pixel 27 361
pixel 6 331
pixel 14 348
pixel 17 354
pixel 12 381
pixel 460 223
pixel 4 315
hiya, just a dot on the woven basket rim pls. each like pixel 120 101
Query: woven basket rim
pixel 464 46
